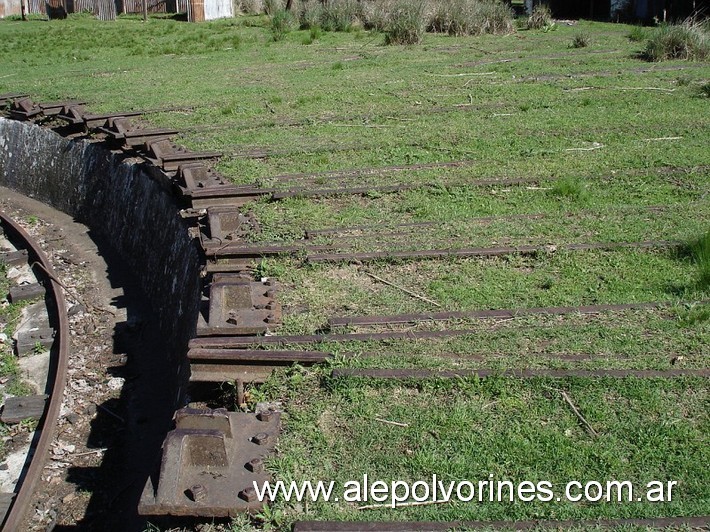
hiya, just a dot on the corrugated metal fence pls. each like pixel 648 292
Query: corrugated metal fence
pixel 103 9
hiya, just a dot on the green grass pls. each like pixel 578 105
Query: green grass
pixel 700 253
pixel 470 429
pixel 617 151
pixel 638 34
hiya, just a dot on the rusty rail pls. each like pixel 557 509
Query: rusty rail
pixel 405 373
pixel 483 252
pixel 483 314
pixel 56 380
pixel 244 312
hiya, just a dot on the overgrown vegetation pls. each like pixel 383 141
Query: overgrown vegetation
pixel 541 17
pixel 568 187
pixel 638 34
pixel 689 40
pixel 282 22
pixel 405 23
pixel 580 40
pixel 471 17
pixel 633 138
pixel 700 253
pixel 334 15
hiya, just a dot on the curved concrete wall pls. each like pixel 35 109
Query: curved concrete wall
pixel 121 203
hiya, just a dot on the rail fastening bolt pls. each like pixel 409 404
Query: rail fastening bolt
pixel 255 465
pixel 262 438
pixel 248 494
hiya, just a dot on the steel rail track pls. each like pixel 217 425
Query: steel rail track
pixel 482 252
pixel 219 354
pixel 483 314
pixel 56 380
pixel 406 373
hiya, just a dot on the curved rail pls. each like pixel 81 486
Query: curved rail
pixel 55 380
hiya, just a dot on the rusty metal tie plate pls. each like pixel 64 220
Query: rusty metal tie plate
pixel 206 187
pixel 227 224
pixel 210 462
pixel 239 306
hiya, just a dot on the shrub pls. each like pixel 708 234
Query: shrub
pixel 405 24
pixel 340 15
pixel 376 14
pixel 638 34
pixel 282 22
pixel 310 14
pixel 688 40
pixel 580 40
pixel 471 17
pixel 540 17
pixel 271 7
pixel 251 7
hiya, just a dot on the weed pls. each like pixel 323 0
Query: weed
pixel 689 317
pixel 313 35
pixel 251 7
pixel 310 14
pixel 406 23
pixel 540 17
pixel 471 17
pixel 270 268
pixel 282 22
pixel 340 15
pixel 271 7
pixel 682 81
pixel 700 254
pixel 568 187
pixel 689 40
pixel 638 34
pixel 580 40
pixel 338 65
pixel 705 90
pixel 376 14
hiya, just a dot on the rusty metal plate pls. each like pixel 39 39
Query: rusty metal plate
pixel 7 99
pixel 206 187
pixel 228 224
pixel 170 157
pixel 239 306
pixel 57 108
pixel 24 109
pixel 139 136
pixel 210 462
pixel 74 114
pixel 104 120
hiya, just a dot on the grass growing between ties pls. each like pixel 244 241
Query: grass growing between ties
pixel 610 147
pixel 470 429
